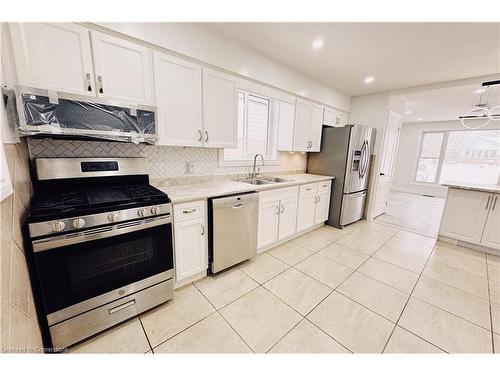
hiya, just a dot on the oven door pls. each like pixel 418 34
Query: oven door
pixel 81 271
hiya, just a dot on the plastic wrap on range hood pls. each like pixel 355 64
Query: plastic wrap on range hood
pixel 54 113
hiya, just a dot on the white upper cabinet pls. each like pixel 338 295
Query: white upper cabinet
pixel 333 117
pixel 315 128
pixel 124 70
pixel 220 109
pixel 286 120
pixel 178 98
pixel 54 56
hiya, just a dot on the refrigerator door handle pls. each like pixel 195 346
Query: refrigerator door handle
pixel 366 158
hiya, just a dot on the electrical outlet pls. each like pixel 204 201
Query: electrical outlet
pixel 189 167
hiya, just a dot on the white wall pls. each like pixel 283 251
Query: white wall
pixel 408 152
pixel 200 44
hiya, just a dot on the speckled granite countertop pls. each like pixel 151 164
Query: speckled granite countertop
pixel 191 192
pixel 477 187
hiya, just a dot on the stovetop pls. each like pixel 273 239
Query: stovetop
pixel 91 200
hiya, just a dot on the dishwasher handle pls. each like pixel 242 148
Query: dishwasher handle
pixel 235 201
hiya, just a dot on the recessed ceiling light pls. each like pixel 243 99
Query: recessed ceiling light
pixel 369 79
pixel 479 91
pixel 317 43
pixel 407 112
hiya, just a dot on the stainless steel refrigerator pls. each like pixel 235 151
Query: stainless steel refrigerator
pixel 345 154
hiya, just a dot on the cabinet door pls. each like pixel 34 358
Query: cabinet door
pixel 178 99
pixel 315 128
pixel 303 114
pixel 335 118
pixel 322 207
pixel 306 212
pixel 191 254
pixel 491 234
pixel 288 218
pixel 124 70
pixel 53 56
pixel 465 215
pixel 220 109
pixel 286 120
pixel 268 224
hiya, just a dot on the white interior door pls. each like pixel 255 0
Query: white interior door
pixel 268 223
pixel 124 70
pixel 386 165
pixel 220 109
pixel 288 217
pixel 53 56
pixel 491 234
pixel 178 98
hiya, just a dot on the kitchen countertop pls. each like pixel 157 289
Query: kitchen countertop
pixel 191 192
pixel 476 187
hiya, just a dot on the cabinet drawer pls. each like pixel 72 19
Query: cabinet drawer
pixel 278 194
pixel 309 189
pixel 188 211
pixel 324 186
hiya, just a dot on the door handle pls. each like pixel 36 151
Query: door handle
pixel 121 307
pixel 200 139
pixel 206 135
pixel 494 203
pixel 202 230
pixel 282 209
pixel 488 202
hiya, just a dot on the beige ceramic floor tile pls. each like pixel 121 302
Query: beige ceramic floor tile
pixel 377 296
pixel 374 226
pixel 460 257
pixel 324 270
pixel 495 317
pixel 365 245
pixel 495 291
pixel 260 318
pixel 465 305
pixel 390 274
pixel 344 255
pixel 330 233
pixel 312 242
pixel 298 290
pixel 496 338
pixel 410 247
pixel 290 253
pixel 188 307
pixel 351 324
pixel 404 342
pixel 493 267
pixel 459 279
pixel 372 234
pixel 445 330
pixel 211 335
pixel 401 259
pixel 225 287
pixel 307 338
pixel 410 236
pixel 263 267
pixel 127 337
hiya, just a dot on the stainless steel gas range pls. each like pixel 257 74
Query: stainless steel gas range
pixel 101 245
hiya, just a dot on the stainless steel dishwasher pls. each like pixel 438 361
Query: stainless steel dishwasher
pixel 233 224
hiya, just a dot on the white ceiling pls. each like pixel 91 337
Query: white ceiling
pixel 444 104
pixel 398 55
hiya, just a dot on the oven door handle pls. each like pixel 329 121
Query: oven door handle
pixel 96 234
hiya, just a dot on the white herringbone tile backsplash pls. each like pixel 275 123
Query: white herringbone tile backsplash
pixel 164 161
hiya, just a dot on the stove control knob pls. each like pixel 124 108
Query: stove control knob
pixel 78 223
pixel 155 210
pixel 58 226
pixel 141 212
pixel 113 216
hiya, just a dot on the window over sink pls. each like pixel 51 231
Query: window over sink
pixel 256 132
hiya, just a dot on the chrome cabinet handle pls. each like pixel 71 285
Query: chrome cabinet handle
pixel 206 135
pixel 87 82
pixel 202 230
pixel 319 199
pixel 494 203
pixel 308 189
pixel 121 307
pixel 101 90
pixel 282 209
pixel 488 202
pixel 189 211
pixel 277 210
pixel 200 139
pixel 337 120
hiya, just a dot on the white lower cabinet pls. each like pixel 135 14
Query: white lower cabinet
pixel 306 212
pixel 277 215
pixel 190 239
pixel 322 207
pixel 314 204
pixel 472 216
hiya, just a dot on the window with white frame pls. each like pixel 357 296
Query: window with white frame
pixel 255 133
pixel 430 152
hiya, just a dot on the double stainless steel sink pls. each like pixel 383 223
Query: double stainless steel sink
pixel 264 180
